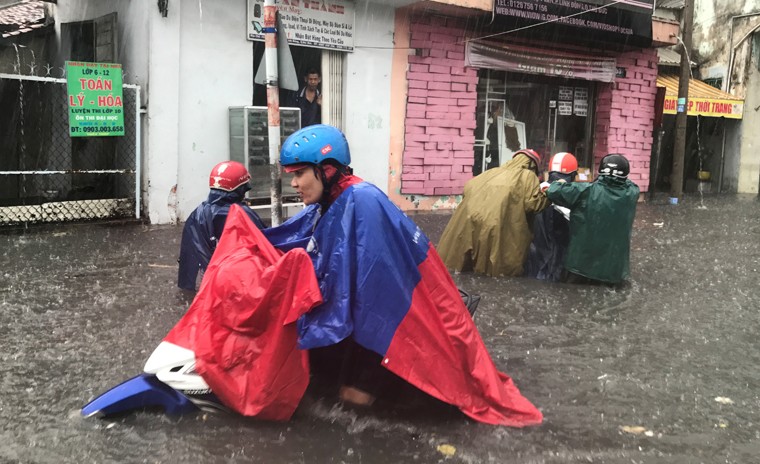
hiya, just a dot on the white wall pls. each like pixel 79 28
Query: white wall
pixel 712 28
pixel 732 156
pixel 200 63
pixel 368 87
pixel 749 165
pixel 216 72
pixel 161 157
pixel 133 35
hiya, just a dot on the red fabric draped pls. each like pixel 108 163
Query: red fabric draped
pixel 241 324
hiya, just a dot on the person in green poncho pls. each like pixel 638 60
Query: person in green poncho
pixel 601 221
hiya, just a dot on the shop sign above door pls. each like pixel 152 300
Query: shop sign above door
pixel 622 21
pixel 514 58
pixel 318 24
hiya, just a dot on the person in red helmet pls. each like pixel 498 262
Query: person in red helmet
pixel 601 223
pixel 490 231
pixel 228 181
pixel 551 227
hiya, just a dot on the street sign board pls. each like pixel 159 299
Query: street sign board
pixel 95 99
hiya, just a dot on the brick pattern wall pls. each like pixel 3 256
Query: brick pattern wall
pixel 440 110
pixel 625 114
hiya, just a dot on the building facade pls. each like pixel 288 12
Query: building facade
pixel 464 77
pixel 726 47
pixel 428 93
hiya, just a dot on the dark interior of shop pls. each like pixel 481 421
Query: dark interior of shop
pixel 551 115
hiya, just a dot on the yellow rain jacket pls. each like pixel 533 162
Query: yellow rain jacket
pixel 491 229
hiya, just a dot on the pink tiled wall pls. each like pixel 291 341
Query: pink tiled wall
pixel 625 114
pixel 440 110
pixel 441 104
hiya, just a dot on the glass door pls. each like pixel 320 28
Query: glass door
pixel 517 111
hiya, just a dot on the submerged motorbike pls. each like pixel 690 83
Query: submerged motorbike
pixel 170 383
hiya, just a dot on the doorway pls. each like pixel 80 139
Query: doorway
pixel 517 111
pixel 304 58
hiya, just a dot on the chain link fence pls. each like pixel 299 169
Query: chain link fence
pixel 48 176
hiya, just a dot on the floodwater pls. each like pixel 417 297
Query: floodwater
pixel 664 369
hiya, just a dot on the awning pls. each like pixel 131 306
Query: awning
pixel 670 57
pixel 20 17
pixel 704 99
pixel 543 61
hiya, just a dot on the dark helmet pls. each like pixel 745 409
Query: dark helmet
pixel 614 165
pixel 313 145
pixel 228 176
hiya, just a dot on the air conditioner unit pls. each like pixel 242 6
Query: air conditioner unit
pixel 249 144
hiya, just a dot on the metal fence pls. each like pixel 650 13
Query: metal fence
pixel 48 176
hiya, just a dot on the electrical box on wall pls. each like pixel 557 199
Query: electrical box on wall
pixel 249 143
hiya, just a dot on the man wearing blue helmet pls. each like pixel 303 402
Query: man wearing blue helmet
pixel 389 304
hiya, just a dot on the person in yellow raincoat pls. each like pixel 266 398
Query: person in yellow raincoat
pixel 491 230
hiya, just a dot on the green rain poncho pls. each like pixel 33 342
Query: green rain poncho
pixel 490 231
pixel 601 219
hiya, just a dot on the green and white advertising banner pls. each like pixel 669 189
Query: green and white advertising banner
pixel 95 99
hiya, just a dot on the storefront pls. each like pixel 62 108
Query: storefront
pixel 712 114
pixel 476 95
pixel 534 98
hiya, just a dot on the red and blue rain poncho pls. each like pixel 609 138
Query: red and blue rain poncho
pixel 381 282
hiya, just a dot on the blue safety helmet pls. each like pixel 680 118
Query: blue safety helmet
pixel 313 145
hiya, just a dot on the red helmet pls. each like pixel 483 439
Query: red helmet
pixel 563 162
pixel 228 175
pixel 532 154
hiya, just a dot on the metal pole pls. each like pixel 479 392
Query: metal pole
pixel 722 155
pixel 658 150
pixel 273 109
pixel 679 148
pixel 138 154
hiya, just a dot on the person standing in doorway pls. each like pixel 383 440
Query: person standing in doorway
pixel 309 99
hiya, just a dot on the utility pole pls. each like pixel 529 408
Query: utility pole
pixel 273 108
pixel 679 148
